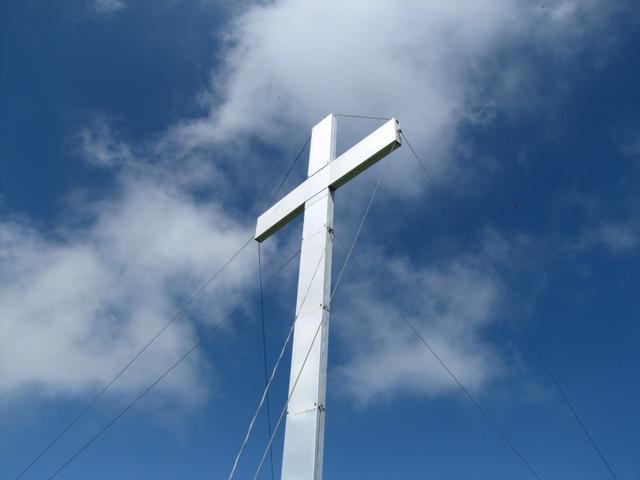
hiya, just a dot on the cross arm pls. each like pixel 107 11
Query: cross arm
pixel 354 161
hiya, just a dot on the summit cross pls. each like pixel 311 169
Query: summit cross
pixel 304 431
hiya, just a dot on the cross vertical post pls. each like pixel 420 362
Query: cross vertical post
pixel 304 430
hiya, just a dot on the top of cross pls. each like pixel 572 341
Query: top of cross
pixel 326 171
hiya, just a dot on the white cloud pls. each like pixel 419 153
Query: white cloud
pixel 77 306
pixel 449 304
pixel 105 7
pixel 432 64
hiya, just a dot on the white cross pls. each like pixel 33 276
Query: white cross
pixel 304 432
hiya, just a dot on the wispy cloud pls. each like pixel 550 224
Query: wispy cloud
pixel 614 237
pixel 627 139
pixel 100 146
pixel 614 230
pixel 106 7
pixel 451 304
pixel 78 302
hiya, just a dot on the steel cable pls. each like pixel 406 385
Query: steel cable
pixel 515 316
pixel 158 333
pixel 134 358
pixel 209 332
pixel 264 354
pixel 265 393
pixel 484 413
pixel 344 265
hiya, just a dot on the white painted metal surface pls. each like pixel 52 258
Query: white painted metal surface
pixel 304 431
pixel 333 175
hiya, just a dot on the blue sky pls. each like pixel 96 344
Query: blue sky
pixel 140 140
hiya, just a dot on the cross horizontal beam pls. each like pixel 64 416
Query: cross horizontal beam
pixel 354 161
